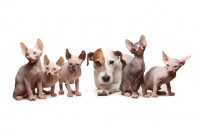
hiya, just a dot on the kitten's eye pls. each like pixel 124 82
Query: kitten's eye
pixel 54 69
pixel 77 64
pixel 70 64
pixel 176 66
pixel 167 64
pixel 47 68
pixel 98 63
pixel 111 62
pixel 34 52
pixel 26 54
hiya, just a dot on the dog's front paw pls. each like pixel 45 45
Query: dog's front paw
pixel 42 97
pixel 102 93
pixel 69 94
pixel 171 94
pixel 61 92
pixel 53 94
pixel 32 98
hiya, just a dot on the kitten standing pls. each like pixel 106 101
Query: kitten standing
pixel 71 71
pixel 30 74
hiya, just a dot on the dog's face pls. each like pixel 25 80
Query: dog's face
pixel 104 62
pixel 74 62
pixel 32 54
pixel 51 69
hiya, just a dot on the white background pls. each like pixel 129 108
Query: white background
pixel 170 26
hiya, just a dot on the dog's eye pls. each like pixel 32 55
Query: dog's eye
pixel 34 52
pixel 47 68
pixel 27 54
pixel 77 64
pixel 54 69
pixel 111 62
pixel 98 63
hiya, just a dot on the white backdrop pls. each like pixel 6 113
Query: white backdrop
pixel 170 26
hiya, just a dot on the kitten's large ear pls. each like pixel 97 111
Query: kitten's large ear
pixel 165 57
pixel 67 54
pixel 60 61
pixel 90 57
pixel 143 40
pixel 129 44
pixel 182 61
pixel 24 48
pixel 39 45
pixel 46 60
pixel 82 55
pixel 119 54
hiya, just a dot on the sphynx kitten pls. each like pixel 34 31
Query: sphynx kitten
pixel 30 74
pixel 132 75
pixel 157 76
pixel 50 77
pixel 71 71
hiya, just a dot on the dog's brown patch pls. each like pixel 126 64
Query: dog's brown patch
pixel 98 56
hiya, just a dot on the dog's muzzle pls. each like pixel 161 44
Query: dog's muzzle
pixel 106 78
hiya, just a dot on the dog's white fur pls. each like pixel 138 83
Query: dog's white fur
pixel 114 71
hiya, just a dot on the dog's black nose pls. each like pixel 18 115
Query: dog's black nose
pixel 106 78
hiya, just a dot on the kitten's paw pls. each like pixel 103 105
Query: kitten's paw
pixel 53 94
pixel 32 98
pixel 147 95
pixel 69 94
pixel 171 94
pixel 42 97
pixel 78 93
pixel 19 98
pixel 61 92
pixel 127 94
pixel 135 95
pixel 102 93
pixel 154 95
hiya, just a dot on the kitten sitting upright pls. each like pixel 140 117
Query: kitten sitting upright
pixel 71 71
pixel 132 75
pixel 30 74
pixel 50 77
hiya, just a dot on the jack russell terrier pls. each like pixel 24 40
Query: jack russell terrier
pixel 108 66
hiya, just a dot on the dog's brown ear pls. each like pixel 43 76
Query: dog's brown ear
pixel 24 48
pixel 120 55
pixel 46 60
pixel 67 54
pixel 60 61
pixel 90 57
pixel 82 55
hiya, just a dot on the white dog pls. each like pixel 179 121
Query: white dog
pixel 108 66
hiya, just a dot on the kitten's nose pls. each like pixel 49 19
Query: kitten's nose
pixel 49 74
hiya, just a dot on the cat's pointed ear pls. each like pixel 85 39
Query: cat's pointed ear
pixel 143 40
pixel 46 60
pixel 165 57
pixel 82 55
pixel 67 54
pixel 129 44
pixel 24 48
pixel 182 61
pixel 60 61
pixel 39 45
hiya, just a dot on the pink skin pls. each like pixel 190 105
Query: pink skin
pixel 71 71
pixel 30 74
pixel 157 76
pixel 50 72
